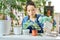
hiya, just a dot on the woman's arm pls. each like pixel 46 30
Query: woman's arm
pixel 26 23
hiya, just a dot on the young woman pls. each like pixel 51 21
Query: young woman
pixel 32 17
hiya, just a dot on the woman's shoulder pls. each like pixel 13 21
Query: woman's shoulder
pixel 25 18
pixel 39 15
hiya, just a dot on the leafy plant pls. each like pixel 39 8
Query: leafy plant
pixel 44 19
pixel 36 26
pixel 33 25
pixel 5 9
pixel 13 4
pixel 12 16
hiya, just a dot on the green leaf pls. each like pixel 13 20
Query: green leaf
pixel 22 0
pixel 11 2
pixel 36 26
pixel 19 8
pixel 12 16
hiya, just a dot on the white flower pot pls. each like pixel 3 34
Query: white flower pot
pixel 47 27
pixel 5 27
pixel 17 30
pixel 25 31
pixel 1 27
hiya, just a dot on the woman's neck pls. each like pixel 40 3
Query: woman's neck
pixel 32 18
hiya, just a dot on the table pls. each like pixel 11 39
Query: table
pixel 27 37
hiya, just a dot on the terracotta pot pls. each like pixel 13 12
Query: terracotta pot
pixel 34 32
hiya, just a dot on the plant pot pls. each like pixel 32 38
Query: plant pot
pixel 25 31
pixel 1 27
pixel 34 32
pixel 5 26
pixel 17 30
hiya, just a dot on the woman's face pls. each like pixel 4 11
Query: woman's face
pixel 31 10
pixel 48 13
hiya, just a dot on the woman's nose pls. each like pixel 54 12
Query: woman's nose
pixel 30 11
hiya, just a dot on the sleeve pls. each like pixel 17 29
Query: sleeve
pixel 54 23
pixel 26 23
pixel 23 22
pixel 39 23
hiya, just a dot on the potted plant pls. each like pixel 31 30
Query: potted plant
pixel 4 28
pixel 7 5
pixel 1 24
pixel 34 26
pixel 35 29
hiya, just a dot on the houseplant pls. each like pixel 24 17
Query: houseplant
pixel 28 23
pixel 35 29
pixel 34 26
pixel 4 28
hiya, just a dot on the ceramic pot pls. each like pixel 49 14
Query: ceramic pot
pixel 34 32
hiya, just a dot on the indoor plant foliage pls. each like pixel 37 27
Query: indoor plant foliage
pixel 44 19
pixel 7 5
pixel 18 4
pixel 33 25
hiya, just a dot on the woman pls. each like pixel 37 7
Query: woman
pixel 48 13
pixel 32 17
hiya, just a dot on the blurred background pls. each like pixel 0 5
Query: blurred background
pixel 14 10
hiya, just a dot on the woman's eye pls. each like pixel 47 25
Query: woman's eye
pixel 28 10
pixel 33 10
